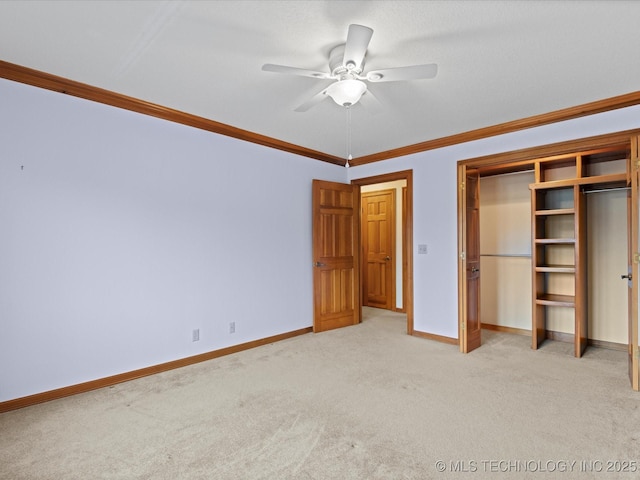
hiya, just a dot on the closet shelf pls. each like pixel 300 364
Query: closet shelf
pixel 555 241
pixel 557 211
pixel 556 300
pixel 616 178
pixel 556 268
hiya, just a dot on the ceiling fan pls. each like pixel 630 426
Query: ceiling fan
pixel 346 62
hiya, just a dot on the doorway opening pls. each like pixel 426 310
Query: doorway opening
pixel 381 234
pixel 386 279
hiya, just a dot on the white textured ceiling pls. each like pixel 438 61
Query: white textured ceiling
pixel 498 60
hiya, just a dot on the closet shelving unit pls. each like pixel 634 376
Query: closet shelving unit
pixel 559 233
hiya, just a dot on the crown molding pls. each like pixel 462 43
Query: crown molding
pixel 599 106
pixel 48 81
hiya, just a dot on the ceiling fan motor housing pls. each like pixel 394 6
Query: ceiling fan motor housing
pixel 337 65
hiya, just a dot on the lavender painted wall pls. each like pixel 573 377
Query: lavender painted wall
pixel 123 233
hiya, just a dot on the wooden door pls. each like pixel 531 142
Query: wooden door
pixel 632 226
pixel 378 242
pixel 336 282
pixel 470 327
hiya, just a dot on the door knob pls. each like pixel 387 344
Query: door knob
pixel 387 258
pixel 318 264
pixel 628 277
pixel 474 269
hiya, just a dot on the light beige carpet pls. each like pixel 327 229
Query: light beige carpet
pixel 364 402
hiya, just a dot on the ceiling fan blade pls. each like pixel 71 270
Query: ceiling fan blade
pixel 269 67
pixel 370 102
pixel 358 40
pixel 313 101
pixel 413 72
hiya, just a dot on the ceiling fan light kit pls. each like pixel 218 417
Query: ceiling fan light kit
pixel 346 64
pixel 346 92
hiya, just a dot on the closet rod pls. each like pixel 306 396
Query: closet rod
pixel 523 255
pixel 505 174
pixel 606 190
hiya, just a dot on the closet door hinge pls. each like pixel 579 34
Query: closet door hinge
pixel 462 324
pixel 636 257
pixel 635 162
pixel 636 353
pixel 461 185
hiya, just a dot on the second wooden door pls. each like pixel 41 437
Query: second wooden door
pixel 378 241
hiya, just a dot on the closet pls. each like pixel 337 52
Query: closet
pixel 554 228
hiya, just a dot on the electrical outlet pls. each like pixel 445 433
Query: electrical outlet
pixel 196 335
pixel 422 249
pixel 232 327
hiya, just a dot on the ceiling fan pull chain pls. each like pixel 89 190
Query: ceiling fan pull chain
pixel 349 157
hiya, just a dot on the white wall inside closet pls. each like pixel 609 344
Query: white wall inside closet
pixel 505 249
pixel 607 260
